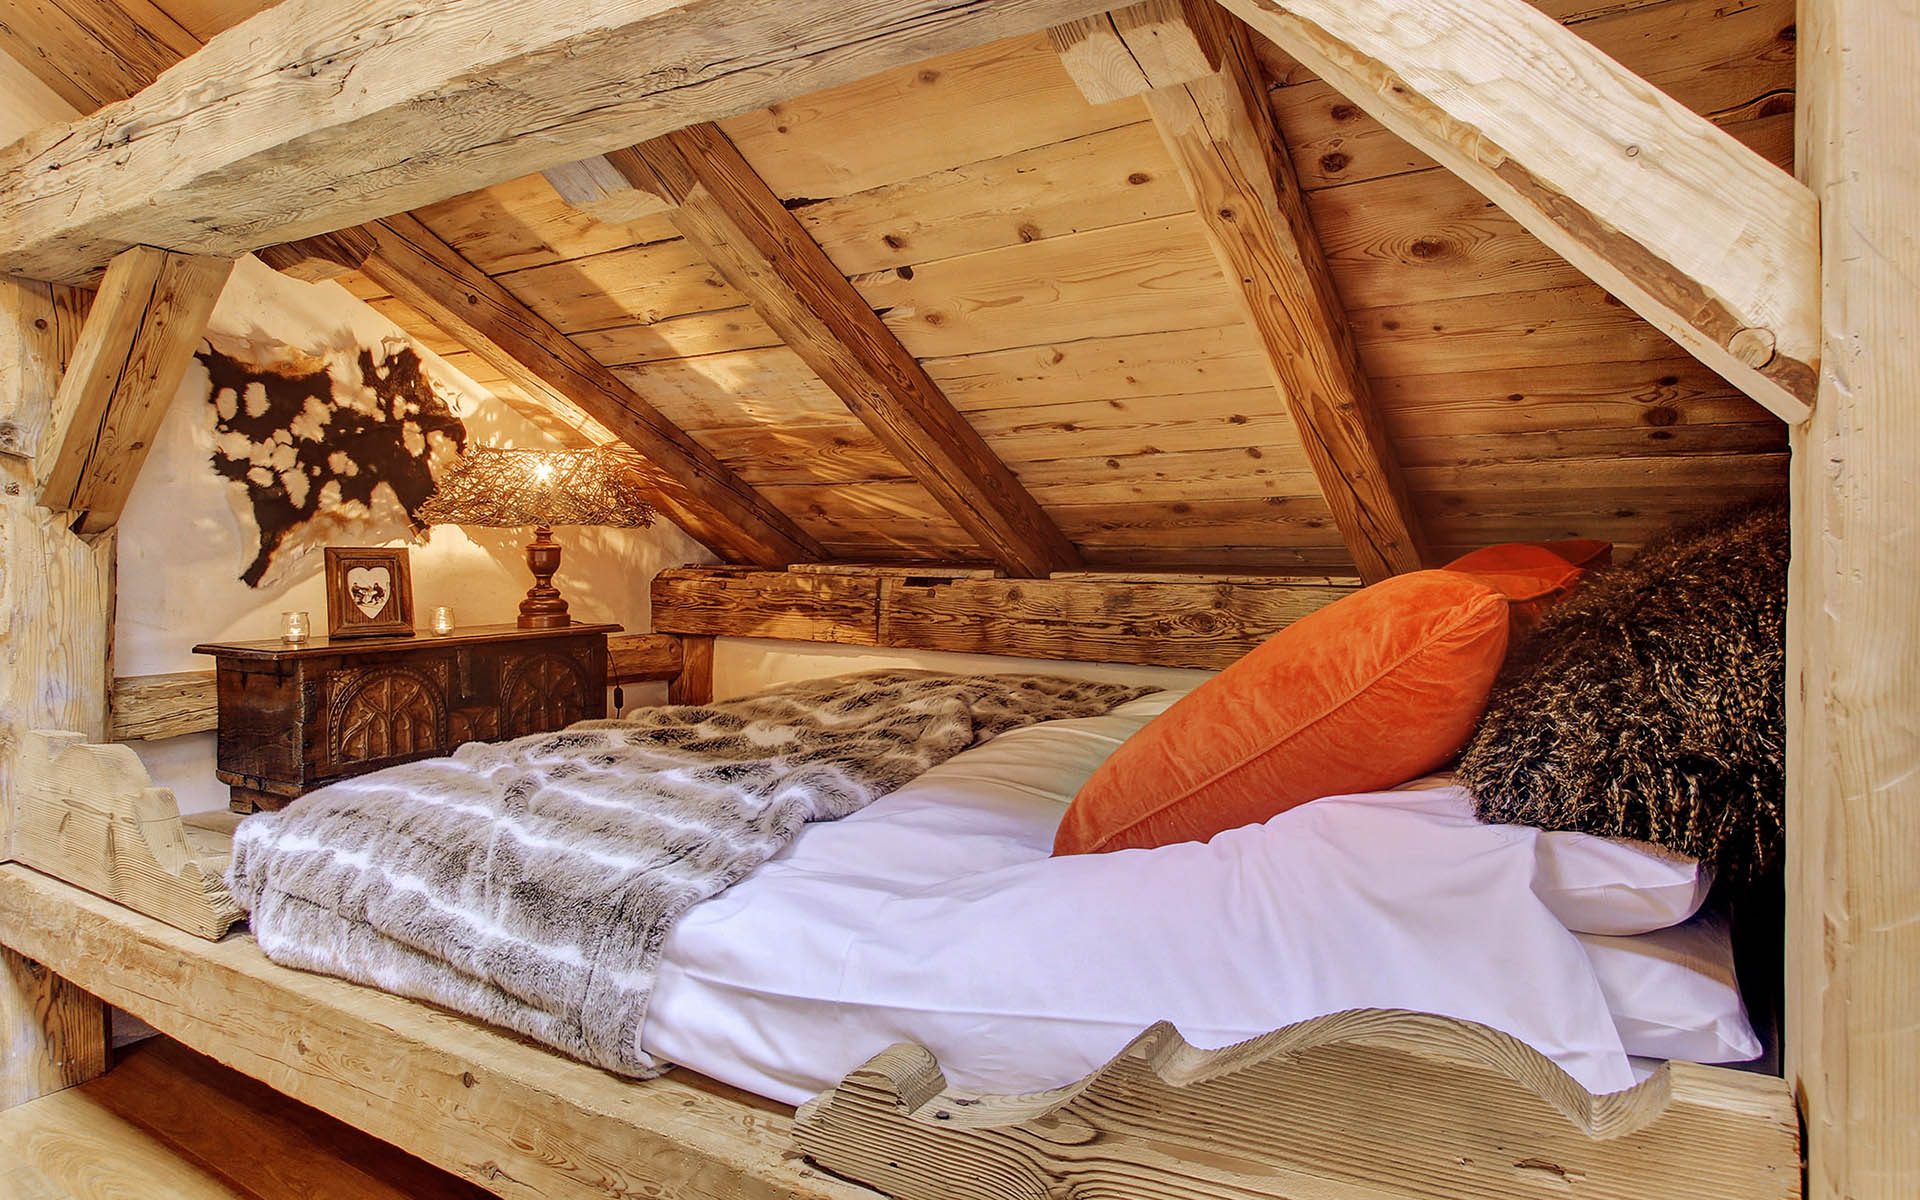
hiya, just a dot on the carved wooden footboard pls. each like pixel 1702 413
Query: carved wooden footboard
pixel 1363 1105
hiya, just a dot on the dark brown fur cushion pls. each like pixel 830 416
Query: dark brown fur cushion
pixel 1652 703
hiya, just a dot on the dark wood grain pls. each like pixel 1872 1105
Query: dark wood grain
pixel 768 604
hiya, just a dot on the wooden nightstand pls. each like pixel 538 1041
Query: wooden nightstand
pixel 293 718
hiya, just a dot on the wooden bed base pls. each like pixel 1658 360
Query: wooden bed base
pixel 1367 1106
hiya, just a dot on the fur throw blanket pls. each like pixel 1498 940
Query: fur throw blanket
pixel 1652 704
pixel 532 883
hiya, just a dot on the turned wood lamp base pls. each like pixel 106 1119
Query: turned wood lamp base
pixel 544 607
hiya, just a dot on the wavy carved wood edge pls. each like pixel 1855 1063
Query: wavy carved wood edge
pixel 1371 1103
pixel 89 814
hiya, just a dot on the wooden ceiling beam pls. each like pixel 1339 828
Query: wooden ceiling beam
pixel 322 256
pixel 689 485
pixel 726 210
pixel 133 351
pixel 1705 239
pixel 383 106
pixel 1221 135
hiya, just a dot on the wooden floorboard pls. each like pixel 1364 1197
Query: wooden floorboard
pixel 167 1122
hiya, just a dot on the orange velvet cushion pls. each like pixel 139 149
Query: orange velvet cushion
pixel 1367 693
pixel 1532 577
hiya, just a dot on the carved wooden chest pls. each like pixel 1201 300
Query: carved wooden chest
pixel 293 718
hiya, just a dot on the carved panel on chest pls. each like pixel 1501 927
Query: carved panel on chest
pixel 295 717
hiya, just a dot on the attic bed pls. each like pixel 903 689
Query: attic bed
pixel 1122 337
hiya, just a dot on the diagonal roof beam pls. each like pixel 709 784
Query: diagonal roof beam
pixel 724 208
pixel 688 484
pixel 1195 66
pixel 313 115
pixel 1706 240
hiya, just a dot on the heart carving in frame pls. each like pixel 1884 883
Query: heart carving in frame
pixel 370 589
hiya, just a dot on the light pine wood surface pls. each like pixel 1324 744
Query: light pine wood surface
pixel 55 1035
pixel 166 1122
pixel 1853 752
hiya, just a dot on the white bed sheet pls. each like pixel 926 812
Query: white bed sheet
pixel 937 916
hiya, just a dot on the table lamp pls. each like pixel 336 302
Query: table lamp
pixel 506 489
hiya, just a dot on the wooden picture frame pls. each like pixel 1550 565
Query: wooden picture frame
pixel 358 579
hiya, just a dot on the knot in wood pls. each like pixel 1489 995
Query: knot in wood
pixel 1753 346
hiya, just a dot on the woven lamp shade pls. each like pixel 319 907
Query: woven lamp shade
pixel 517 488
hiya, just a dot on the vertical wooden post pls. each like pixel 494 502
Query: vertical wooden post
pixel 52 1034
pixel 56 591
pixel 1853 800
pixel 694 683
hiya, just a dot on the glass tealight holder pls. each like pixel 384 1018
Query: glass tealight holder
pixel 295 627
pixel 442 624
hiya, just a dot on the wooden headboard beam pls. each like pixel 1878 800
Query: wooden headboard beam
pixel 284 154
pixel 1183 622
pixel 1710 243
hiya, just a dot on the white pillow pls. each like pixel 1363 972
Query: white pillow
pixel 1603 885
pixel 1673 992
pixel 1616 886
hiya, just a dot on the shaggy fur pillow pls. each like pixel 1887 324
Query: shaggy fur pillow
pixel 1652 704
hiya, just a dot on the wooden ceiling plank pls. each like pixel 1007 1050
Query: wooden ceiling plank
pixel 146 321
pixel 1706 240
pixel 323 256
pixel 690 486
pixel 723 207
pixel 286 154
pixel 1220 132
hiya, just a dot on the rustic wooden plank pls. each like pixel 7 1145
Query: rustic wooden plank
pixel 39 326
pixel 1853 747
pixel 496 1109
pixel 162 706
pixel 1105 368
pixel 1149 276
pixel 726 210
pixel 93 52
pixel 524 223
pixel 133 352
pixel 323 256
pixel 1374 1103
pixel 988 101
pixel 596 187
pixel 690 486
pixel 1166 625
pixel 89 814
pixel 1220 132
pixel 282 155
pixel 775 604
pixel 1693 231
pixel 694 682
pixel 52 1034
pixel 639 657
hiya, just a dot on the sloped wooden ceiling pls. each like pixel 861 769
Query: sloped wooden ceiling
pixel 1040 256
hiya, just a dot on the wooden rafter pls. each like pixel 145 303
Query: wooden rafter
pixel 691 486
pixel 93 52
pixel 323 256
pixel 1220 133
pixel 1706 240
pixel 394 105
pixel 148 317
pixel 724 208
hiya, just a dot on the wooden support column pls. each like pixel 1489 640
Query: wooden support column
pixel 52 1034
pixel 1196 68
pixel 1853 750
pixel 690 486
pixel 694 683
pixel 1701 236
pixel 56 606
pixel 146 321
pixel 723 207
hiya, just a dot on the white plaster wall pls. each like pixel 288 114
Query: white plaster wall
pixel 744 665
pixel 182 544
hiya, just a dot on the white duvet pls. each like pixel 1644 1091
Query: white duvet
pixel 937 916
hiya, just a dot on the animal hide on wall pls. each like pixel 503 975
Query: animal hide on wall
pixel 322 446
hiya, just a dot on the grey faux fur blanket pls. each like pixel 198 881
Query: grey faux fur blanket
pixel 533 883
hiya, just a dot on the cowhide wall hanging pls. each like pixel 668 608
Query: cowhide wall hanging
pixel 320 447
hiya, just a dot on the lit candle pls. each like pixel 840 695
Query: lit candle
pixel 443 620
pixel 295 627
